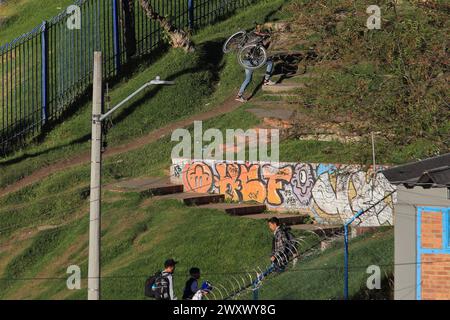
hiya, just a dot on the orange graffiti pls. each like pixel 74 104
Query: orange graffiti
pixel 228 180
pixel 276 179
pixel 252 187
pixel 198 178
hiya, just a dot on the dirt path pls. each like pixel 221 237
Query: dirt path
pixel 229 105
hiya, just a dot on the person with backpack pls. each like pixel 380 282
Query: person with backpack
pixel 282 244
pixel 191 287
pixel 160 285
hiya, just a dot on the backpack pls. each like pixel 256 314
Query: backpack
pixel 291 246
pixel 148 292
pixel 157 286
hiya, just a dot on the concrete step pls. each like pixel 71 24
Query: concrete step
pixel 283 87
pixel 277 104
pixel 146 186
pixel 278 113
pixel 290 97
pixel 193 198
pixel 287 219
pixel 320 229
pixel 237 209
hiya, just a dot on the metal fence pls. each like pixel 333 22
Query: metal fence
pixel 47 70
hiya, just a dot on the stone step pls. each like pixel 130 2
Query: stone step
pixel 283 87
pixel 320 229
pixel 277 104
pixel 237 209
pixel 287 219
pixel 193 198
pixel 281 114
pixel 330 137
pixel 146 186
pixel 281 97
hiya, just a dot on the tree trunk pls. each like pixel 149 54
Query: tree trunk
pixel 129 28
pixel 178 37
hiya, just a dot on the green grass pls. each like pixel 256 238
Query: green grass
pixel 203 80
pixel 23 15
pixel 136 239
pixel 322 277
pixel 390 81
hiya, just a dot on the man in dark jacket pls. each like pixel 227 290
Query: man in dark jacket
pixel 191 287
pixel 279 244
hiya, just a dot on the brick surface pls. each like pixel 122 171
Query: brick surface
pixel 431 225
pixel 435 273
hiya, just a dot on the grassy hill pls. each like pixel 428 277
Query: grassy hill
pixel 21 16
pixel 137 234
pixel 43 227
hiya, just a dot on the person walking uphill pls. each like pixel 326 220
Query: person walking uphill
pixel 249 72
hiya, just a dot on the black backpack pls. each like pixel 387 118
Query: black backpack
pixel 149 284
pixel 291 246
pixel 157 287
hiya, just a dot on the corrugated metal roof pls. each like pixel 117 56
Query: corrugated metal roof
pixel 428 173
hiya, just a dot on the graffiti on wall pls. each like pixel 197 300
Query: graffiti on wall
pixel 330 193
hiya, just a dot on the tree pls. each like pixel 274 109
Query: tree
pixel 178 37
pixel 128 23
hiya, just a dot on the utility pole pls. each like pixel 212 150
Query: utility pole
pixel 374 163
pixel 96 159
pixel 96 165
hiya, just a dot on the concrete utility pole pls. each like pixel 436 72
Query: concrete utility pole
pixel 374 162
pixel 96 159
pixel 96 164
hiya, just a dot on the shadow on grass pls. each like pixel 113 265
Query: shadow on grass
pixel 210 55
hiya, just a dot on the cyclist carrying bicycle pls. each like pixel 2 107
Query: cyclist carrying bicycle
pixel 258 33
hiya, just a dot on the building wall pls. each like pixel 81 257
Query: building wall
pixel 331 193
pixel 405 218
pixel 433 258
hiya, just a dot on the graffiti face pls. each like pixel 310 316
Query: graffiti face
pixel 332 193
pixel 198 178
pixel 303 182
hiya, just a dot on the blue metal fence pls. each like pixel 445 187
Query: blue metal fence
pixel 48 69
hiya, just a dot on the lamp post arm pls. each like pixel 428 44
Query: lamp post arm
pixel 157 81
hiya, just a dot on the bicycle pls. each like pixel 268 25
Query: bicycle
pixel 250 48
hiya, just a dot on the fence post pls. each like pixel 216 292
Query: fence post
pixel 346 261
pixel 116 35
pixel 191 14
pixel 44 72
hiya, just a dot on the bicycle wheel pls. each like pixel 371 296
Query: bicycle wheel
pixel 234 41
pixel 252 56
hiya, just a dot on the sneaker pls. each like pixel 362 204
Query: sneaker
pixel 240 99
pixel 269 83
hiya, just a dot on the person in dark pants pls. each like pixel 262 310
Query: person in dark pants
pixel 279 244
pixel 249 72
pixel 191 287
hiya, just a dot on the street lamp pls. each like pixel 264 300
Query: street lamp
pixel 96 163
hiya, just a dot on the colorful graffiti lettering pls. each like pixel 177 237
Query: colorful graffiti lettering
pixel 330 193
pixel 303 182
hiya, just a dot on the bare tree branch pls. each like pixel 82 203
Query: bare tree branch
pixel 178 37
